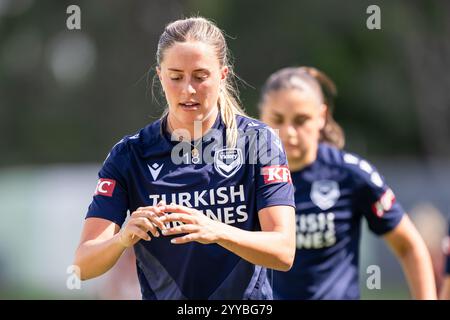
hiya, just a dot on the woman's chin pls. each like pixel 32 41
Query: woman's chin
pixel 198 116
pixel 293 157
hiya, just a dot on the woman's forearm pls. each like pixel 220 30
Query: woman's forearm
pixel 416 263
pixel 271 249
pixel 445 290
pixel 95 257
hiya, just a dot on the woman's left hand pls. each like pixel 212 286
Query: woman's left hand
pixel 196 227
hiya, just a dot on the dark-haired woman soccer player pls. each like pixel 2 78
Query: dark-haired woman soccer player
pixel 214 182
pixel 335 190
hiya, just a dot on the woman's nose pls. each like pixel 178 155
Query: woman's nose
pixel 290 130
pixel 189 88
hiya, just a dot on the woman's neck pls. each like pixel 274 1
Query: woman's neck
pixel 302 162
pixel 195 130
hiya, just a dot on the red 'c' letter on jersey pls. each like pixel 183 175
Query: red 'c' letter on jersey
pixel 105 187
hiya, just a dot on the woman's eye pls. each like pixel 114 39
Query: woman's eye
pixel 201 77
pixel 277 121
pixel 300 121
pixel 175 78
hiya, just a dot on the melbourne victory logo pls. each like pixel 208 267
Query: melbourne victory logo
pixel 228 161
pixel 325 193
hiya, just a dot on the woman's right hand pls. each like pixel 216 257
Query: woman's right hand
pixel 142 221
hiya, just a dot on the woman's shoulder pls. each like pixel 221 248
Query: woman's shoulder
pixel 360 168
pixel 144 137
pixel 248 123
pixel 260 131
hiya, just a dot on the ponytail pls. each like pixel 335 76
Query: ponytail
pixel 332 132
pixel 229 107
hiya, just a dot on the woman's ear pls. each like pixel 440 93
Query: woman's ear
pixel 224 72
pixel 323 115
pixel 158 72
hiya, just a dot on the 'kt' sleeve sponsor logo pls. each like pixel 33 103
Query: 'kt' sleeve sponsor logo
pixel 384 203
pixel 274 174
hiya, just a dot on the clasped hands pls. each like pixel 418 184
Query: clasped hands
pixel 148 220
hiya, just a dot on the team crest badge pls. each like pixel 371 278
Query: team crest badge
pixel 228 161
pixel 325 193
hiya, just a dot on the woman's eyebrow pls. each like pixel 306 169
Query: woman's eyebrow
pixel 276 114
pixel 196 70
pixel 301 115
pixel 201 70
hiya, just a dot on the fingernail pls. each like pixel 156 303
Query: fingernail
pixel 156 234
pixel 149 238
pixel 173 241
pixel 164 231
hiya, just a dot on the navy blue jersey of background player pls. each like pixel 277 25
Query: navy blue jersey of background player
pixel 232 188
pixel 332 196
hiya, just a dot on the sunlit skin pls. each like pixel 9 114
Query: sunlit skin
pixel 191 76
pixel 299 116
pixel 445 290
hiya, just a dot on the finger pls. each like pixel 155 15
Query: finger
pixel 186 228
pixel 154 209
pixel 157 210
pixel 152 217
pixel 146 225
pixel 161 203
pixel 177 208
pixel 185 239
pixel 155 219
pixel 180 217
pixel 138 232
pixel 139 210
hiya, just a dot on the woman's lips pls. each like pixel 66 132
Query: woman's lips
pixel 290 146
pixel 190 106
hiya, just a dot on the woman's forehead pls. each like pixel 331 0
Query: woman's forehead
pixel 292 99
pixel 189 56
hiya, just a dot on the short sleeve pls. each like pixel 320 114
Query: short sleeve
pixel 376 200
pixel 273 179
pixel 110 200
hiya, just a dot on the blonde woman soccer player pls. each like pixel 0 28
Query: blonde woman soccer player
pixel 208 188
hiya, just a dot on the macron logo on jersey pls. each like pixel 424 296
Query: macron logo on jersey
pixel 105 187
pixel 253 124
pixel 274 174
pixel 155 169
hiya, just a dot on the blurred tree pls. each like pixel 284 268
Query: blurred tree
pixel 427 47
pixel 68 96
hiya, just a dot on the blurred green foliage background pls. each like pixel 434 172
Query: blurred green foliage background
pixel 69 95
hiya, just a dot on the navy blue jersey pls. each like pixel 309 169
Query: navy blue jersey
pixel 332 195
pixel 229 184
